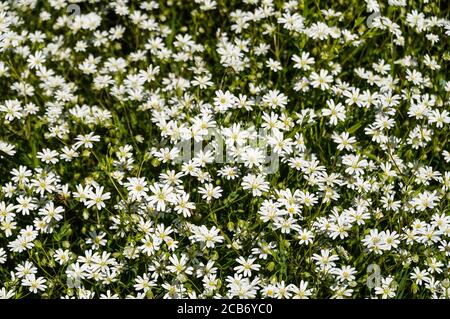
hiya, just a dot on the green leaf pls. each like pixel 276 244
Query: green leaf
pixel 354 128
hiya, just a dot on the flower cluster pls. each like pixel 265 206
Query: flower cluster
pixel 224 149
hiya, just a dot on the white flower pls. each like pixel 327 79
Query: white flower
pixel 355 165
pixel 137 187
pixel 325 261
pixel 209 192
pixel 97 198
pixel 425 200
pixel 50 212
pixel 224 101
pixel 336 112
pixel 208 236
pixel 36 60
pixel 274 99
pixel 48 156
pixel 375 241
pixel 303 62
pixel 3 256
pixel 34 284
pixel 246 266
pixel 86 140
pixel 183 205
pixel 13 110
pixel 321 80
pixel 273 65
pixel 256 183
pixel 7 148
pixel 344 141
pixel 161 196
